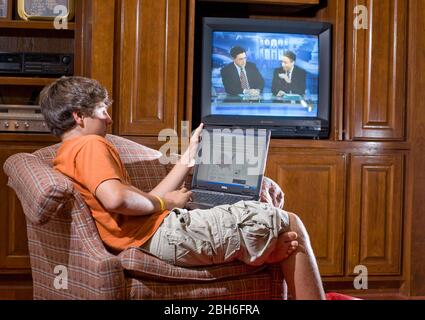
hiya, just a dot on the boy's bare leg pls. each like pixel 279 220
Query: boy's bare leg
pixel 300 268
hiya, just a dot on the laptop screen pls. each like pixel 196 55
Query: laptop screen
pixel 232 160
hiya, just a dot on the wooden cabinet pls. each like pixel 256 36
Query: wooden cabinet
pixel 376 109
pixel 314 187
pixel 13 237
pixel 150 62
pixel 376 69
pixel 349 190
pixel 375 214
pixel 369 231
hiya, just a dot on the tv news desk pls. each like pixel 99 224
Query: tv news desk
pixel 264 104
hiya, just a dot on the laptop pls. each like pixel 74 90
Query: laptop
pixel 229 166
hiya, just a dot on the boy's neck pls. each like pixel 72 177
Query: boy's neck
pixel 74 133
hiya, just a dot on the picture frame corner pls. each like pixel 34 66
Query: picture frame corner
pixel 6 7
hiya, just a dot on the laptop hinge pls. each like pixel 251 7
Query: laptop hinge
pixel 225 191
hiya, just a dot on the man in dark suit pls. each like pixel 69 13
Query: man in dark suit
pixel 240 76
pixel 289 78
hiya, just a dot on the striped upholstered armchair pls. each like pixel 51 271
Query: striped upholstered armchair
pixel 61 232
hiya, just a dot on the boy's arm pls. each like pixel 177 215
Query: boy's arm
pixel 128 200
pixel 98 169
pixel 176 176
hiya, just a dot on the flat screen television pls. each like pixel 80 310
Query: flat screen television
pixel 260 73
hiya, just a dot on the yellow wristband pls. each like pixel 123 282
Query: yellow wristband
pixel 161 202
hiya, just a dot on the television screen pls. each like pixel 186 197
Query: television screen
pixel 265 73
pixel 281 71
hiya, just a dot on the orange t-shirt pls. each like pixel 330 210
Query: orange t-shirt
pixel 89 161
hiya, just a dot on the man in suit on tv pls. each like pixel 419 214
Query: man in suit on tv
pixel 289 78
pixel 240 76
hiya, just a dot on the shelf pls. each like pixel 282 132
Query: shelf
pixel 35 25
pixel 26 81
pixel 10 138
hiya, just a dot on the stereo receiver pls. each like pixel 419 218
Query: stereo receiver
pixel 36 64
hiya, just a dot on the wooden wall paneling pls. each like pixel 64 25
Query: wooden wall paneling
pixel 376 71
pixel 314 187
pixel 416 137
pixel 375 214
pixel 148 66
pixel 82 32
pixel 94 40
pixel 334 13
pixel 181 102
pixel 190 43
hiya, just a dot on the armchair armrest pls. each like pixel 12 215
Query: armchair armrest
pixel 87 259
pixel 272 193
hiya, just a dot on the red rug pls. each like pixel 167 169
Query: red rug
pixel 339 296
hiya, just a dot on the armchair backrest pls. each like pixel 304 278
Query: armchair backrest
pixel 142 163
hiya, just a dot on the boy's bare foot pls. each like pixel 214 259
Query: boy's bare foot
pixel 286 245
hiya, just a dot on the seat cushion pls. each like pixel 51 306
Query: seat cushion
pixel 138 264
pixel 253 287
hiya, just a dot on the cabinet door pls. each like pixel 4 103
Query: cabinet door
pixel 13 235
pixel 149 56
pixel 314 187
pixel 376 69
pixel 374 232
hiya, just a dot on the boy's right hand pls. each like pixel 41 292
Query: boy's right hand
pixel 177 198
pixel 188 157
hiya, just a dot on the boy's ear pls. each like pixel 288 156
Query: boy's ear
pixel 78 117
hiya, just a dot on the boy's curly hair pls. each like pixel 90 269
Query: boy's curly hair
pixel 67 95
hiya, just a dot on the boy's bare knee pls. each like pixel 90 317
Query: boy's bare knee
pixel 295 224
pixel 294 221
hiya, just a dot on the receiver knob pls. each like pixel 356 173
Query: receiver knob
pixel 66 59
pixel 6 124
pixel 16 124
pixel 27 125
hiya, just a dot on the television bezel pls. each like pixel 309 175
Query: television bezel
pixel 296 124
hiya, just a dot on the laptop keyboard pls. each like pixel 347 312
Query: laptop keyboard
pixel 216 198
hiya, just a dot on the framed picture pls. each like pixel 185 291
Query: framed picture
pixel 6 9
pixel 45 9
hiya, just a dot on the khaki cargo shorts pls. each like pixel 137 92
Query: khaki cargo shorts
pixel 246 231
